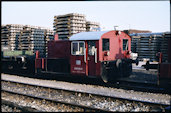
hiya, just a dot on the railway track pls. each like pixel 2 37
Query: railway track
pixel 83 107
pixel 18 107
pixel 121 83
pixel 29 109
pixel 139 86
pixel 47 93
pixel 142 80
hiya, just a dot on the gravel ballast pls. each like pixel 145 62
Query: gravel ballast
pixel 41 105
pixel 6 108
pixel 112 105
pixel 100 90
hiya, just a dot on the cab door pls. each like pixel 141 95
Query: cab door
pixel 77 59
pixel 92 58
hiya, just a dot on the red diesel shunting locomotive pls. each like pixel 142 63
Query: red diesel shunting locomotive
pixel 104 54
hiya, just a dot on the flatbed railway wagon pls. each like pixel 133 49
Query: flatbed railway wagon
pixel 101 54
pixel 18 61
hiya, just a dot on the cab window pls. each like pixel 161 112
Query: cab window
pixel 77 48
pixel 125 44
pixel 106 44
pixel 91 47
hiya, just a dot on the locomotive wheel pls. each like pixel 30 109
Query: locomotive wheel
pixel 10 67
pixel 119 67
pixel 109 73
pixel 118 63
pixel 104 76
pixel 105 79
pixel 126 68
pixel 130 69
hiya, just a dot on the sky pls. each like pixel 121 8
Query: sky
pixel 140 15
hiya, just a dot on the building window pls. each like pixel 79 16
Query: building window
pixel 106 44
pixel 125 44
pixel 77 48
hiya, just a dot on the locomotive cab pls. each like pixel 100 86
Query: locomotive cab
pixel 103 54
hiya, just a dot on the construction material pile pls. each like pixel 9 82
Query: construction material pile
pixel 49 35
pixel 147 45
pixel 67 25
pixel 25 38
pixel 32 38
pixel 9 36
pixel 165 47
pixel 92 26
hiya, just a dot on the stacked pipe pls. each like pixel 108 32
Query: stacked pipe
pixel 92 26
pixel 9 36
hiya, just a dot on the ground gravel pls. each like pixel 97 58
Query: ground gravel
pixel 6 108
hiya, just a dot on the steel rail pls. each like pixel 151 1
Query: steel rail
pixel 136 85
pixel 57 101
pixel 20 107
pixel 144 87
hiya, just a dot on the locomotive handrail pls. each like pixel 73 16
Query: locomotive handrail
pixel 85 55
pixel 95 55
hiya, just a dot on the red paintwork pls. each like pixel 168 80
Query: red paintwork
pixel 91 66
pixel 126 54
pixel 43 63
pixel 59 49
pixel 86 46
pixel 94 68
pixel 77 69
pixel 37 54
pixel 160 57
pixel 115 46
pixel 98 65
pixel 38 63
pixel 37 60
pixel 56 37
pixel 165 70
pixel 56 49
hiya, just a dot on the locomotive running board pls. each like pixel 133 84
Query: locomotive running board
pixel 136 81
